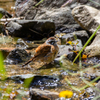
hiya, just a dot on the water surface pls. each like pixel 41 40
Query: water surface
pixel 8 5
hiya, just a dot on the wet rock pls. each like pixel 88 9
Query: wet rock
pixel 87 17
pixel 31 29
pixel 17 56
pixel 82 35
pixel 37 94
pixel 45 82
pixel 38 81
pixel 20 78
pixel 5 13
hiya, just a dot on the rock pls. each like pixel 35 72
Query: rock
pixel 76 35
pixel 21 44
pixel 31 29
pixel 50 10
pixel 38 81
pixel 26 7
pixel 17 56
pixel 94 49
pixel 21 78
pixel 87 17
pixel 63 49
pixel 45 82
pixel 66 28
pixel 86 2
pixel 37 94
pixel 66 49
pixel 60 16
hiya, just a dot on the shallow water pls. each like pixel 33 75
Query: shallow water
pixel 8 5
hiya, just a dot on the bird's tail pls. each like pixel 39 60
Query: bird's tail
pixel 28 61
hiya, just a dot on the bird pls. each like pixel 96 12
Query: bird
pixel 46 52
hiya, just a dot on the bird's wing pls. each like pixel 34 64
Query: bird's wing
pixel 43 50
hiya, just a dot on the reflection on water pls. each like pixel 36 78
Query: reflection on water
pixel 7 5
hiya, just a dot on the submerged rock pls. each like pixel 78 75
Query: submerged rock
pixel 31 29
pixel 17 56
pixel 45 82
pixel 38 81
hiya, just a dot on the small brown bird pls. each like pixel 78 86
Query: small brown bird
pixel 46 52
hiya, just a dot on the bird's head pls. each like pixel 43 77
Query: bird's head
pixel 51 41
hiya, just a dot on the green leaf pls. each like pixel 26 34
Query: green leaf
pixel 2 69
pixel 27 82
pixel 1 15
